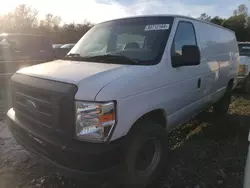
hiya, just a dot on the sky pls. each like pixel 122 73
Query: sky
pixel 97 11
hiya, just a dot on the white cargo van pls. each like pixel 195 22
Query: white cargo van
pixel 244 67
pixel 110 103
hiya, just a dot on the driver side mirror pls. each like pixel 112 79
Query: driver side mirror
pixel 190 56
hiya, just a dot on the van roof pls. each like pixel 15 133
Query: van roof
pixel 171 15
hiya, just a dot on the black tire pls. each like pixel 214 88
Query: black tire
pixel 221 107
pixel 246 85
pixel 139 175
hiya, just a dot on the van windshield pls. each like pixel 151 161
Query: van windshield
pixel 139 40
pixel 244 49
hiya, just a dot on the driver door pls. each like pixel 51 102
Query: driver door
pixel 189 83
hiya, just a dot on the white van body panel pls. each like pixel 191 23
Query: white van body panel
pixel 174 90
pixel 93 76
pixel 181 93
pixel 219 52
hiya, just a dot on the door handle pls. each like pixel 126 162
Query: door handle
pixel 199 83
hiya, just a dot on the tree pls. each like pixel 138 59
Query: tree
pixel 23 17
pixel 241 10
pixel 51 21
pixel 237 24
pixel 204 17
pixel 217 20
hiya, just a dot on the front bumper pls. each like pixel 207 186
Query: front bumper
pixel 72 158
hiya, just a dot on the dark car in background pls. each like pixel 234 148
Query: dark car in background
pixel 18 51
pixel 63 50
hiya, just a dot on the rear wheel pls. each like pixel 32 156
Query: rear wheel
pixel 221 107
pixel 146 154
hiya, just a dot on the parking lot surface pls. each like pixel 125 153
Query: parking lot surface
pixel 206 152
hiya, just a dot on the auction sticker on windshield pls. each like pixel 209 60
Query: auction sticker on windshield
pixel 156 27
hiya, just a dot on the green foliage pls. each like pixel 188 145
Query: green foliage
pixel 239 22
pixel 24 19
pixel 217 20
pixel 241 10
pixel 205 17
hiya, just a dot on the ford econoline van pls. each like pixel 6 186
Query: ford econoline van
pixel 110 103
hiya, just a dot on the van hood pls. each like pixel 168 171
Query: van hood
pixel 89 75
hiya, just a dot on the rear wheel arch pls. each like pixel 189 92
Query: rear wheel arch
pixel 221 107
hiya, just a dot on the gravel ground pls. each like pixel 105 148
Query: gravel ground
pixel 208 152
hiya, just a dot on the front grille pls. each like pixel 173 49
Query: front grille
pixel 44 102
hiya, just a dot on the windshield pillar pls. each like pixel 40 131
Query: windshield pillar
pixel 112 43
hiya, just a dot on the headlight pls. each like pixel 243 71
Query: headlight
pixel 94 121
pixel 242 69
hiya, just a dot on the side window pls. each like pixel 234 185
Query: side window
pixel 185 35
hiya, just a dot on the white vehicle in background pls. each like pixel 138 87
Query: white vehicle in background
pixel 56 45
pixel 244 67
pixel 110 106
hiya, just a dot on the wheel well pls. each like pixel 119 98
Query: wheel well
pixel 230 83
pixel 156 116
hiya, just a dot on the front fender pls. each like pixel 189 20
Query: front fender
pixel 129 110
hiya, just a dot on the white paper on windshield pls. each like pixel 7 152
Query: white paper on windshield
pixel 156 27
pixel 246 47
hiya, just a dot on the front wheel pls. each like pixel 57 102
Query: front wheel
pixel 146 154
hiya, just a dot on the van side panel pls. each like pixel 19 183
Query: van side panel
pixel 174 90
pixel 219 52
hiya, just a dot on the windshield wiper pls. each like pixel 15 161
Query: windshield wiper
pixel 73 55
pixel 105 58
pixel 112 58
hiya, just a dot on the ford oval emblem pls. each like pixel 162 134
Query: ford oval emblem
pixel 31 106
